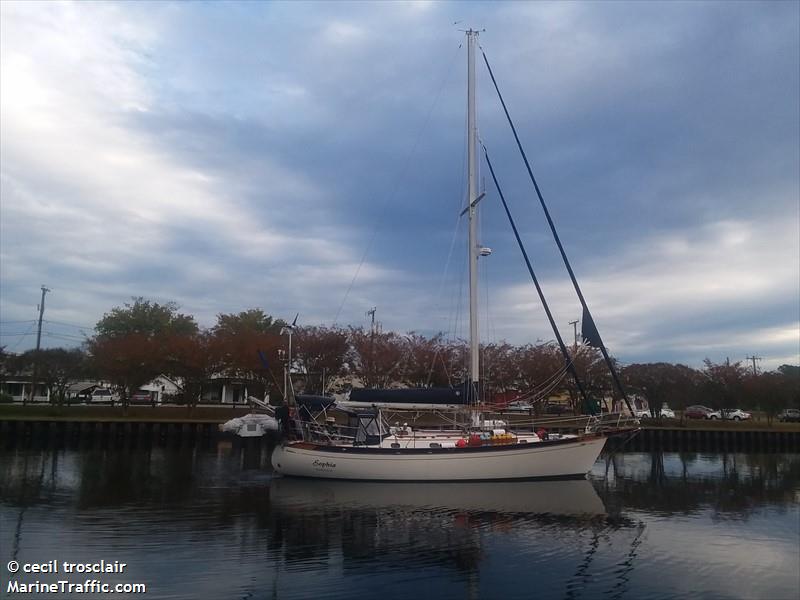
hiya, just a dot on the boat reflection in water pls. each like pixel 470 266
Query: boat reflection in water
pixel 573 498
pixel 648 525
pixel 435 528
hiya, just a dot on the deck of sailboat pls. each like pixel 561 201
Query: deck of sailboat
pixel 520 444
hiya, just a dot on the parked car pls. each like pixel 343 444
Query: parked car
pixel 701 412
pixel 789 415
pixel 736 415
pixel 141 397
pixel 519 406
pixel 103 395
pixel 664 412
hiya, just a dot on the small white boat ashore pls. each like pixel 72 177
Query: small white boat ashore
pixel 252 425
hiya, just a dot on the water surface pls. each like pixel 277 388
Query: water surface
pixel 212 522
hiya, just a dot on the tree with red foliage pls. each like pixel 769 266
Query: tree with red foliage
pixel 320 353
pixel 426 361
pixel 723 384
pixel 240 340
pixel 376 357
pixel 130 346
pixel 191 359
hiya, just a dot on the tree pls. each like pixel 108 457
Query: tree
pixel 663 383
pixel 191 359
pixel 320 352
pixel 128 362
pixel 722 385
pixel 593 373
pixel 240 341
pixel 539 370
pixel 426 361
pixel 775 390
pixel 376 357
pixel 498 371
pixel 130 345
pixel 790 380
pixel 58 368
pixel 253 320
pixel 145 318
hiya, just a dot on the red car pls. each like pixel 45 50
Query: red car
pixel 701 412
pixel 141 397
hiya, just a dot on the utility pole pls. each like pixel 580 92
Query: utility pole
pixel 754 359
pixel 41 314
pixel 35 375
pixel 371 313
pixel 575 332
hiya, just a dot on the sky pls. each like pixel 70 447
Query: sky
pixel 310 158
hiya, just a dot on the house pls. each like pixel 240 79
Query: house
pixel 20 388
pixel 162 389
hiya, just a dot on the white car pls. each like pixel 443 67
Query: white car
pixel 103 395
pixel 664 413
pixel 736 415
pixel 519 405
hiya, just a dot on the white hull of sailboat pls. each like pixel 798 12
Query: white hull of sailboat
pixel 576 497
pixel 573 458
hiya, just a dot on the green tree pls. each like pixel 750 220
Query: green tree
pixel 58 368
pixel 723 384
pixel 253 320
pixel 145 318
pixel 130 345
pixel 663 383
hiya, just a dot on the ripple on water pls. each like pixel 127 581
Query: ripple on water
pixel 215 524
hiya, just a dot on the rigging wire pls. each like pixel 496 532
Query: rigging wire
pixel 396 187
pixel 587 315
pixel 564 352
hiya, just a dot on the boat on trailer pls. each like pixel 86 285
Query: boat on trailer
pixel 477 449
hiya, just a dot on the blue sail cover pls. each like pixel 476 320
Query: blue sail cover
pixel 457 395
pixel 313 402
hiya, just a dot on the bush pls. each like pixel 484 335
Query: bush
pixel 176 398
pixel 6 398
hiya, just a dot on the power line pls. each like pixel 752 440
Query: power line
pixel 87 327
pixel 24 336
pixel 63 335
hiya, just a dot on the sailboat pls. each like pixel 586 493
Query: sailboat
pixel 370 450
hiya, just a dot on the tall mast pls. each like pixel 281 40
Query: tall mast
pixel 472 196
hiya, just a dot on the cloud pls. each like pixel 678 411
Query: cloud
pixel 716 288
pixel 246 154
